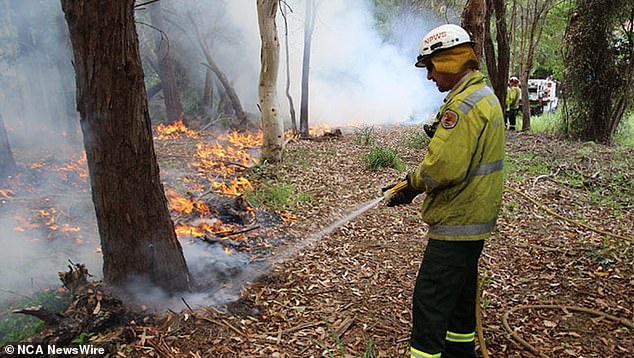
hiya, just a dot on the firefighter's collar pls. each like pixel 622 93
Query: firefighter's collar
pixel 460 85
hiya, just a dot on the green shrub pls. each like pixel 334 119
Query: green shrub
pixel 625 133
pixel 365 136
pixel 277 196
pixel 380 157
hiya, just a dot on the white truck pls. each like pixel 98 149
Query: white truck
pixel 542 95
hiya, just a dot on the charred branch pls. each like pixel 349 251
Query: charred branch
pixel 50 318
pixel 237 232
pixel 76 277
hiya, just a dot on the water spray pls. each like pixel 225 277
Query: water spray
pixel 258 268
pixel 285 255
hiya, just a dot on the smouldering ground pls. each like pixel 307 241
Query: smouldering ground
pixel 352 289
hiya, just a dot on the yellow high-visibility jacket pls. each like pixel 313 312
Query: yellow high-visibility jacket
pixel 462 172
pixel 513 95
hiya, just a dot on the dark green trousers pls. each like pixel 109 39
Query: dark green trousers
pixel 444 300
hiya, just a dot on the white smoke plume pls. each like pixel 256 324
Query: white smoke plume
pixel 356 78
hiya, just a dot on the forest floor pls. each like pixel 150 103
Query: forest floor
pixel 563 238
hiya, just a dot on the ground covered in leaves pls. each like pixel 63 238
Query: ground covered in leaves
pixel 564 239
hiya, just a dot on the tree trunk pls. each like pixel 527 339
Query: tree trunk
pixel 497 65
pixel 599 73
pixel 525 76
pixel 208 96
pixel 309 26
pixel 512 32
pixel 137 234
pixel 166 66
pixel 533 16
pixel 272 126
pixel 288 72
pixel 526 106
pixel 7 163
pixel 230 91
pixel 64 68
pixel 473 18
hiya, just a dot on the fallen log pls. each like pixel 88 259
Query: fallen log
pixel 93 309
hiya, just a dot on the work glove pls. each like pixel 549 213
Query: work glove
pixel 399 193
pixel 430 130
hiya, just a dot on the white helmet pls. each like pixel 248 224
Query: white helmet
pixel 441 38
pixel 514 79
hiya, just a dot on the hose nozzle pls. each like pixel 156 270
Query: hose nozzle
pixel 395 189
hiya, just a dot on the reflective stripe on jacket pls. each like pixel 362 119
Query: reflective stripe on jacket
pixel 462 172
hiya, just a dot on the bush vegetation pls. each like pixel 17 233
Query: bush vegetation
pixel 380 157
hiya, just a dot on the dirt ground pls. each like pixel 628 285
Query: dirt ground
pixel 348 293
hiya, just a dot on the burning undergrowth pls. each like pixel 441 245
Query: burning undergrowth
pixel 227 241
pixel 225 238
pixel 47 207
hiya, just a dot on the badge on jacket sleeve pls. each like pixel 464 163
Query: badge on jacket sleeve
pixel 449 119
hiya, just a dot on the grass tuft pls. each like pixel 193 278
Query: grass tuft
pixel 418 139
pixel 380 157
pixel 365 136
pixel 369 345
pixel 548 122
pixel 277 196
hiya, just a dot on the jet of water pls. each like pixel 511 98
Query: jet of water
pixel 300 246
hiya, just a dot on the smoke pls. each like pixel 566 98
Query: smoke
pixel 218 279
pixel 356 77
pixel 30 259
pixel 38 110
pixel 36 78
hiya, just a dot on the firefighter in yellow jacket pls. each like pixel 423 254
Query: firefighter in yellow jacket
pixel 462 177
pixel 513 95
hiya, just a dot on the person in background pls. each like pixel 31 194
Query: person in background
pixel 461 175
pixel 513 95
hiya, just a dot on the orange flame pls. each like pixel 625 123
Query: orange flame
pixel 213 226
pixel 77 166
pixel 183 205
pixel 318 130
pixel 48 219
pixel 175 130
pixel 178 202
pixel 287 217
pixel 237 186
pixel 224 158
pixel 245 139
